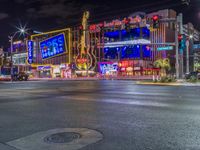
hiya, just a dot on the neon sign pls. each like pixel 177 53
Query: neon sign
pixel 42 68
pixel 30 52
pixel 53 46
pixel 82 60
pixel 118 22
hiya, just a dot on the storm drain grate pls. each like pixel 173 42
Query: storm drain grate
pixel 64 137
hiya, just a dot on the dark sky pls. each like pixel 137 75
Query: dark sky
pixel 44 15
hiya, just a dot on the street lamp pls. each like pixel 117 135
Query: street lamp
pixel 21 31
pixel 191 36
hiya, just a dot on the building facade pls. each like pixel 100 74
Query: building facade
pixel 128 46
pixel 49 54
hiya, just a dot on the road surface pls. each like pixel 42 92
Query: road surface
pixel 129 116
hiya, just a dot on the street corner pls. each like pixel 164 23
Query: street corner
pixel 157 83
pixel 62 139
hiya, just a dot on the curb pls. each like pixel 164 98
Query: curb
pixel 159 84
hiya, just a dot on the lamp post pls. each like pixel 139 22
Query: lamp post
pixel 187 53
pixel 21 31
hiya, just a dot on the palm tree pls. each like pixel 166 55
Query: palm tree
pixel 164 65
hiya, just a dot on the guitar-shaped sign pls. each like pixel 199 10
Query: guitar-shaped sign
pixel 83 60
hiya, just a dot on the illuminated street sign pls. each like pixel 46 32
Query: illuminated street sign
pixel 166 48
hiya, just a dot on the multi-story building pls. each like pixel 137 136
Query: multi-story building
pixel 19 56
pixel 123 47
pixel 193 36
pixel 129 46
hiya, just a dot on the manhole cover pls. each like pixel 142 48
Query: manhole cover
pixel 64 137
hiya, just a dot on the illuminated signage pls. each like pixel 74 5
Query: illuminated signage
pixel 117 22
pixel 30 52
pixel 53 46
pixel 167 48
pixel 42 68
pixel 130 42
pixel 107 68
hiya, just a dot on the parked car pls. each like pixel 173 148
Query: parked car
pixel 21 76
pixel 195 74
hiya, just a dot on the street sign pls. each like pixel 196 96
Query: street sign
pixel 166 48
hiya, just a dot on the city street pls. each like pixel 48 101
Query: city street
pixel 129 116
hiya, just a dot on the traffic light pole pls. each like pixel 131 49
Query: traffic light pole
pixel 176 47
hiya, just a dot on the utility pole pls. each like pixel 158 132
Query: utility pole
pixel 176 47
pixel 187 56
pixel 11 58
pixel 180 20
pixel 179 61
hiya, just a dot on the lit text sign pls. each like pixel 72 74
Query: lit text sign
pixel 53 46
pixel 42 68
pixel 30 52
pixel 167 48
pixel 117 22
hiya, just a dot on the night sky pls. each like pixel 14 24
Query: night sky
pixel 44 15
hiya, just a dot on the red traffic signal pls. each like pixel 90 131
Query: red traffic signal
pixel 180 37
pixel 80 27
pixel 155 18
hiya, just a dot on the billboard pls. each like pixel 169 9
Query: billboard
pixel 53 46
pixel 30 52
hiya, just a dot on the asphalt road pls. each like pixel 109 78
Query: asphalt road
pixel 130 116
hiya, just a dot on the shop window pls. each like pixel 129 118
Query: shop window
pixel 111 53
pixel 131 52
pixel 145 33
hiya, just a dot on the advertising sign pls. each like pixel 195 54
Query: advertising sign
pixel 53 46
pixel 30 52
pixel 42 68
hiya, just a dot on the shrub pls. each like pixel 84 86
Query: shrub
pixel 192 79
pixel 167 79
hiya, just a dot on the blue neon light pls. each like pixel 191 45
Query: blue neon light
pixel 146 51
pixel 115 34
pixel 53 46
pixel 145 33
pixel 30 52
pixel 131 52
pixel 111 53
pixel 134 33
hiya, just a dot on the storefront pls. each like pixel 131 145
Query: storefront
pixel 44 71
pixel 126 68
pixel 66 71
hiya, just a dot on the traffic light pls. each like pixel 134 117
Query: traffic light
pixel 81 30
pixel 127 25
pixel 181 42
pixel 101 26
pixel 155 21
